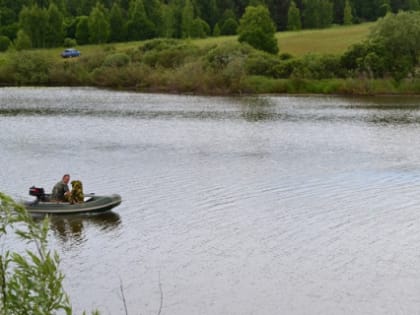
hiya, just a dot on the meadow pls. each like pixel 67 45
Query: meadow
pixel 334 40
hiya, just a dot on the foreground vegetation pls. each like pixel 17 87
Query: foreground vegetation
pixel 361 59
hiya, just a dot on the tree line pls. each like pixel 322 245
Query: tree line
pixel 50 23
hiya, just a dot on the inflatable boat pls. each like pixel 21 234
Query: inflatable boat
pixel 92 204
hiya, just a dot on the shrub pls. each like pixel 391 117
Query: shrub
pixel 22 41
pixel 260 63
pixel 29 67
pixel 200 28
pixel 167 53
pixel 116 60
pixel 4 43
pixel 30 283
pixel 219 57
pixel 159 44
pixel 69 42
pixel 229 27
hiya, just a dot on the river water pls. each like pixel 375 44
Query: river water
pixel 243 205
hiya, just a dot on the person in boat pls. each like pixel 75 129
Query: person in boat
pixel 76 195
pixel 61 191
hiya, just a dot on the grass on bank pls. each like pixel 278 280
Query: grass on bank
pixel 334 40
pixel 215 65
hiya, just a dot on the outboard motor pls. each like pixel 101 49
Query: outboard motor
pixel 38 192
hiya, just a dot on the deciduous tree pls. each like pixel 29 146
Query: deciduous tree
pixel 82 30
pixel 257 29
pixel 99 28
pixel 55 31
pixel 293 18
pixel 347 15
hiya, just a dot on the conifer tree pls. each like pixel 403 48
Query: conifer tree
pixel 139 27
pixel 116 23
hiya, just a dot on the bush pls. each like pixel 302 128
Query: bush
pixel 4 43
pixel 29 68
pixel 116 60
pixel 260 63
pixel 30 283
pixel 229 27
pixel 221 55
pixel 167 53
pixel 159 44
pixel 200 29
pixel 69 42
pixel 22 41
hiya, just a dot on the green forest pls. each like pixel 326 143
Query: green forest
pixel 53 23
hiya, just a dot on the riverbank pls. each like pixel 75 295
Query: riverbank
pixel 214 66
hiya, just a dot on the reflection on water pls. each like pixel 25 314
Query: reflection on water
pixel 71 227
pixel 248 205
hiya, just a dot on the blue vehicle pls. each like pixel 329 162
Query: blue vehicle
pixel 70 52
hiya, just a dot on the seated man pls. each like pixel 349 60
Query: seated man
pixel 76 195
pixel 61 191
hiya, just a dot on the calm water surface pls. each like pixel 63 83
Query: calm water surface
pixel 248 205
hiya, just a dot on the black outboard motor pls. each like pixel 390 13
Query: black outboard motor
pixel 38 192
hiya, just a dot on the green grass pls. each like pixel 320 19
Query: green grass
pixel 333 40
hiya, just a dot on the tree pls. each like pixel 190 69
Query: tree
pixel 200 28
pixel 216 30
pixel 168 21
pixel 139 27
pixel 187 19
pixel 257 29
pixel 99 28
pixel 413 5
pixel 229 27
pixel 317 13
pixel 4 43
pixel 30 283
pixel 22 41
pixel 347 15
pixel 82 30
pixel 400 36
pixel 116 23
pixel 155 15
pixel 293 18
pixel 325 13
pixel 34 22
pixel 55 31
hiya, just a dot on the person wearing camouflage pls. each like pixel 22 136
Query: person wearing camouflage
pixel 76 195
pixel 61 191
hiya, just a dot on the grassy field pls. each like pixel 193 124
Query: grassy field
pixel 333 40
